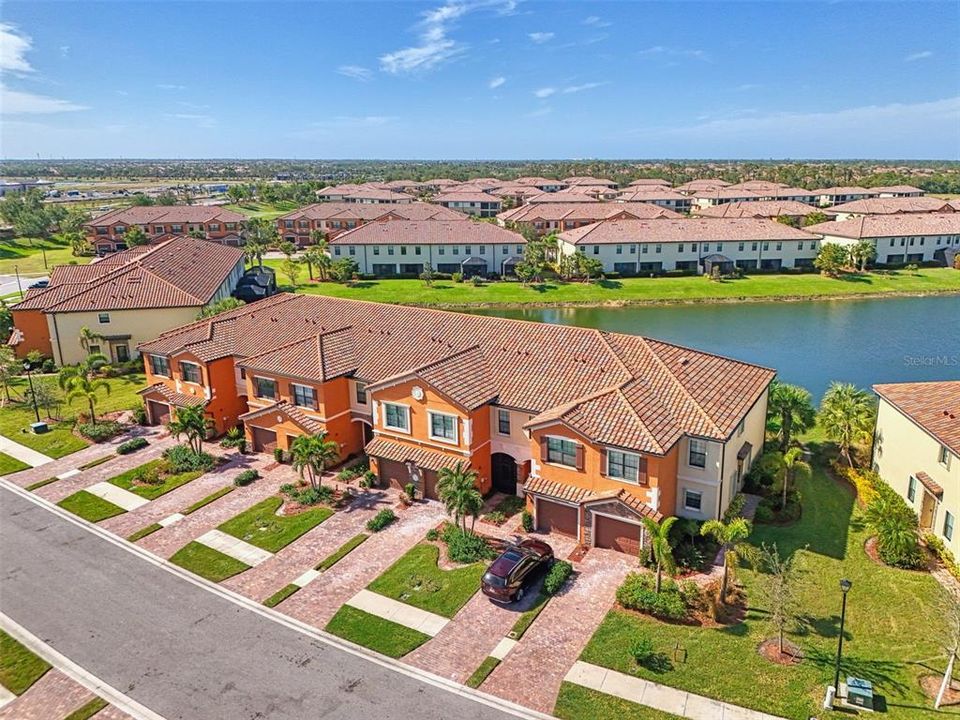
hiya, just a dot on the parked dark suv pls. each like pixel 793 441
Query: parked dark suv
pixel 510 575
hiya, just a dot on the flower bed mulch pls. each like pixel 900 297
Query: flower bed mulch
pixel 930 684
pixel 769 649
pixel 870 547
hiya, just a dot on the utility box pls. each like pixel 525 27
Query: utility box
pixel 39 428
pixel 859 693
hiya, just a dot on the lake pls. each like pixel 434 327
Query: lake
pixel 907 339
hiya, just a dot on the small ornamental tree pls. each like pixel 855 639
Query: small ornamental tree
pixel 831 259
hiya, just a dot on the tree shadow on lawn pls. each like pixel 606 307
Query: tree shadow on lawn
pixel 855 278
pixel 609 284
pixel 882 673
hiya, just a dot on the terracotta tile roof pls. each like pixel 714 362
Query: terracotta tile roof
pixel 166 275
pixel 846 190
pixel 934 406
pixel 725 193
pixel 369 193
pixel 591 212
pixel 372 211
pixel 705 184
pixel 650 194
pixel 428 232
pixel 662 391
pixel 580 496
pixel 683 230
pixel 897 189
pixel 894 205
pixel 167 214
pixel 873 226
pixel 761 186
pixel 758 209
pixel 587 180
pixel 404 452
pixel 561 197
pixel 929 483
pixel 533 180
pixel 294 413
pixel 320 357
pixel 649 182
pixel 174 398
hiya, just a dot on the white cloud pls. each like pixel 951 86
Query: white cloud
pixel 585 86
pixel 171 86
pixel 356 72
pixel 597 22
pixel 14 47
pixel 15 102
pixel 674 52
pixel 539 113
pixel 922 55
pixel 64 51
pixel 544 92
pixel 356 120
pixel 540 37
pixel 198 119
pixel 496 82
pixel 435 46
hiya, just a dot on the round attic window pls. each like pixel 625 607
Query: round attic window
pixel 417 392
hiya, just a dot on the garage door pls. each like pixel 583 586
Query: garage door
pixel 263 440
pixel 393 473
pixel 557 518
pixel 617 535
pixel 159 412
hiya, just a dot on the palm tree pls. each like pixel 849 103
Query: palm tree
pixel 457 490
pixel 190 421
pixel 732 537
pixel 794 406
pixel 89 337
pixel 314 256
pixel 87 369
pixel 847 416
pixel 792 465
pixel 862 252
pixel 313 454
pixel 660 545
pixel 84 387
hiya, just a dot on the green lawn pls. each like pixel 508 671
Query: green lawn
pixel 207 562
pixel 88 711
pixel 893 629
pixel 280 595
pixel 267 211
pixel 481 673
pixel 341 552
pixel 9 465
pixel 635 290
pixel 417 580
pixel 19 668
pixel 15 418
pixel 203 502
pixel 143 532
pixel 579 703
pixel 151 492
pixel 26 255
pixel 90 507
pixel 383 636
pixel 526 618
pixel 261 526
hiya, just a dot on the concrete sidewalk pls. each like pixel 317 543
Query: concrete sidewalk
pixel 660 697
pixel 395 611
pixel 22 453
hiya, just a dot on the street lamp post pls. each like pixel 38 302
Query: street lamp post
pixel 845 586
pixel 33 395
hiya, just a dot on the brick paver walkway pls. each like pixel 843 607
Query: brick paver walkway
pixel 531 674
pixel 319 601
pixel 51 697
pixel 82 457
pixel 55 492
pixel 183 497
pixel 167 541
pixel 112 713
pixel 291 562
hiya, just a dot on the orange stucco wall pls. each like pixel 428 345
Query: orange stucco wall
pixel 36 332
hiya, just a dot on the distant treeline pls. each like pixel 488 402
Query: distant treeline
pixel 932 176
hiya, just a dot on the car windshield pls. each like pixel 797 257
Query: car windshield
pixel 494 580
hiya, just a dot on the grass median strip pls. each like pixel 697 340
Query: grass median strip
pixel 90 507
pixel 481 673
pixel 88 711
pixel 10 465
pixel 262 527
pixel 383 636
pixel 208 499
pixel 19 668
pixel 281 595
pixel 98 461
pixel 127 480
pixel 207 562
pixel 38 485
pixel 579 703
pixel 143 532
pixel 526 619
pixel 341 552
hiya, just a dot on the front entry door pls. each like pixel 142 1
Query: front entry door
pixel 927 510
pixel 121 353
pixel 504 471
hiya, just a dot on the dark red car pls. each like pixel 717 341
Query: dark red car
pixel 510 575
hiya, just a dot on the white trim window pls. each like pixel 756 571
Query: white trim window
pixel 912 489
pixel 190 372
pixel 103 318
pixel 265 388
pixel 443 427
pixel 159 365
pixel 623 466
pixel 562 451
pixel 304 396
pixel 948 525
pixel 396 417
pixel 697 456
pixel 944 457
pixel 361 393
pixel 503 422
pixel 692 500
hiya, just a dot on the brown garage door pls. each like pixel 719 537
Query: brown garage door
pixel 554 517
pixel 393 473
pixel 159 412
pixel 263 440
pixel 617 535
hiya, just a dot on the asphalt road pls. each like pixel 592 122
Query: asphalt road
pixel 8 283
pixel 182 650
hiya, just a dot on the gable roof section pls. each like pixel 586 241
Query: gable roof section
pixel 594 212
pixel 428 232
pixel 295 414
pixel 683 230
pixel 167 214
pixel 873 226
pixel 934 406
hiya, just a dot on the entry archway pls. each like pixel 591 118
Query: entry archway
pixel 503 469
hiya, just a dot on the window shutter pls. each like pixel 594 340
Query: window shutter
pixel 543 448
pixel 642 471
pixel 604 462
pixel 579 456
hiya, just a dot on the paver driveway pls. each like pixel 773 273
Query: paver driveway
pixel 52 696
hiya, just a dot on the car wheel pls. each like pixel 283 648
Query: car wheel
pixel 519 596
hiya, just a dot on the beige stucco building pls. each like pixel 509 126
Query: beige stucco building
pixel 916 450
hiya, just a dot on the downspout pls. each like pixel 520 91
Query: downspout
pixel 56 331
pixel 723 457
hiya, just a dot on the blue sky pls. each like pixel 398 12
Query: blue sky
pixel 469 79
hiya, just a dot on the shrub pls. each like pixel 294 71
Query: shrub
pixel 476 280
pixel 433 534
pixel 278 454
pixel 764 513
pixel 132 445
pixel 183 459
pixel 410 490
pixel 557 577
pixel 148 475
pixel 526 520
pixel 379 521
pixel 246 477
pixel 638 592
pixel 369 479
pixel 308 495
pixel 938 548
pixel 464 546
pixel 347 474
pixel 642 650
pixel 496 517
pixel 735 508
pixel 140 415
pixel 896 525
pixel 763 473
pixel 101 431
pixel 457 277
pixel 235 439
